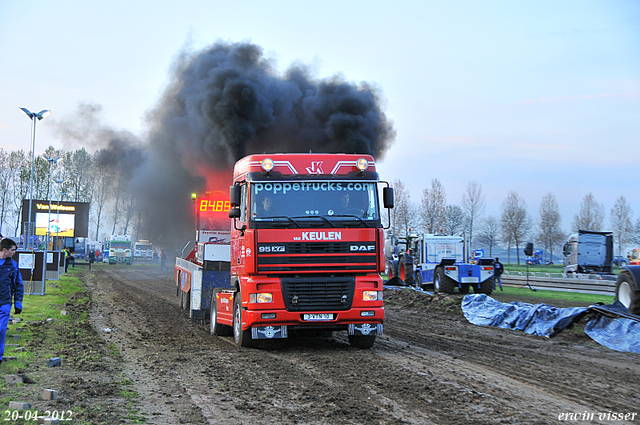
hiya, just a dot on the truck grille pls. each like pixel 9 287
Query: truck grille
pixel 318 293
pixel 317 256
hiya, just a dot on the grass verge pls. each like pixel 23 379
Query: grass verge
pixel 89 383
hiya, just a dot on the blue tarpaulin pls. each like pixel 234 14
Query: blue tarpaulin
pixel 611 325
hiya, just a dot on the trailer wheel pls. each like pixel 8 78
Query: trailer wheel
pixel 362 341
pixel 216 328
pixel 626 293
pixel 486 287
pixel 240 337
pixel 441 282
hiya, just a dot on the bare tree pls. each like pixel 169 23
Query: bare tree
pixel 591 215
pixel 636 233
pixel 21 167
pixel 472 205
pixel 6 175
pixel 102 178
pixel 403 215
pixel 515 222
pixel 432 212
pixel 489 234
pixel 549 232
pixel 454 220
pixel 621 224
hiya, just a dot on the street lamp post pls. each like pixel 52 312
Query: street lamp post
pixel 32 115
pixel 51 161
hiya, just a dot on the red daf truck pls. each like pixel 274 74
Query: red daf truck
pixel 304 252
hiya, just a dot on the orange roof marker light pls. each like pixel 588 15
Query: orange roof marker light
pixel 362 164
pixel 267 164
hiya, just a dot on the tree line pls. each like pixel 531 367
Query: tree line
pixel 514 227
pixel 77 176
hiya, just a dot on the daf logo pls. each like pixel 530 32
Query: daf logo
pixel 365 248
pixel 271 248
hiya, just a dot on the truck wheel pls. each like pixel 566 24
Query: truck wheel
pixel 405 271
pixel 390 273
pixel 216 328
pixel 362 341
pixel 441 282
pixel 626 293
pixel 240 337
pixel 417 279
pixel 486 287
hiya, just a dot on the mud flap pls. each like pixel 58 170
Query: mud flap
pixel 269 332
pixel 365 329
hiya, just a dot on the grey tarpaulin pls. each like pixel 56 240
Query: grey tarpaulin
pixel 611 326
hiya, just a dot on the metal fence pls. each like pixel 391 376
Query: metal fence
pixel 581 283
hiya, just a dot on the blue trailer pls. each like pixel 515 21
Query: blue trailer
pixel 427 260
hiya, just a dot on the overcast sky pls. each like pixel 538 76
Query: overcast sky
pixel 531 97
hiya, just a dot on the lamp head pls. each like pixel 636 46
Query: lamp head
pixel 42 114
pixel 28 112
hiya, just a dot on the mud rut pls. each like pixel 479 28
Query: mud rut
pixel 430 367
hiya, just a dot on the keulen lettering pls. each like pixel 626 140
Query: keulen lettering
pixel 321 236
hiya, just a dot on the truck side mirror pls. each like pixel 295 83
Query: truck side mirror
pixel 234 196
pixel 387 197
pixel 234 213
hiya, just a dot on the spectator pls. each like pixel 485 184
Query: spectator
pixel 163 260
pixel 498 269
pixel 11 287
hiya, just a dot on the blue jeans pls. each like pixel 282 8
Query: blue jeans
pixel 5 310
pixel 499 280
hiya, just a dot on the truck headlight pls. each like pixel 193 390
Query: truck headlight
pixel 263 297
pixel 372 295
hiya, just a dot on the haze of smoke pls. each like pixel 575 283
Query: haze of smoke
pixel 226 102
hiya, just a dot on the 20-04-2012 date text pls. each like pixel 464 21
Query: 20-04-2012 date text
pixel 28 415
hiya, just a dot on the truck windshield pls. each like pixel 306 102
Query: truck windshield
pixel 120 245
pixel 346 200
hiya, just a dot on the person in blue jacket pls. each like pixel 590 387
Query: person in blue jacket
pixel 11 287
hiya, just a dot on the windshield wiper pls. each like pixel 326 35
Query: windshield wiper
pixel 352 216
pixel 315 216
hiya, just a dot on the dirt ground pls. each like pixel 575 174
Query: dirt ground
pixel 430 367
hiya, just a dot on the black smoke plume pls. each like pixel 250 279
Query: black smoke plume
pixel 228 101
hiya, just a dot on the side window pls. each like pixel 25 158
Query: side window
pixel 243 204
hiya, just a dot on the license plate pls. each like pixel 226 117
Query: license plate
pixel 318 316
pixel 469 280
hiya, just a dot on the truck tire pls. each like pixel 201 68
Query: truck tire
pixel 486 287
pixel 417 279
pixel 216 328
pixel 405 271
pixel 441 282
pixel 362 341
pixel 626 293
pixel 240 337
pixel 390 273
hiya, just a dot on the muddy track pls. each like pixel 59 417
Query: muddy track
pixel 431 366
